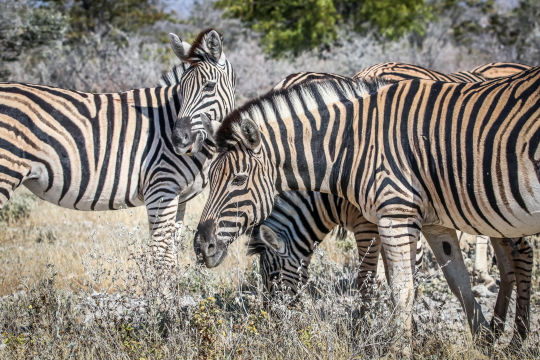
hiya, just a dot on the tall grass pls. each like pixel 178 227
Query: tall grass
pixel 89 293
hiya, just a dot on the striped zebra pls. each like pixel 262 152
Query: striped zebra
pixel 417 155
pixel 213 95
pixel 109 151
pixel 301 220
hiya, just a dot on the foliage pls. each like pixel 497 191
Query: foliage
pixel 491 26
pixel 388 19
pixel 519 28
pixel 17 208
pixel 288 25
pixel 25 27
pixel 300 25
pixel 104 17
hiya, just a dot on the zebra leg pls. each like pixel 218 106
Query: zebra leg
pixel 514 260
pixel 481 260
pixel 162 213
pixel 180 212
pixel 505 264
pixel 368 244
pixel 522 256
pixel 13 172
pixel 399 237
pixel 445 245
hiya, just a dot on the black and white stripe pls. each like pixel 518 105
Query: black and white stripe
pixel 106 151
pixel 414 155
pixel 300 220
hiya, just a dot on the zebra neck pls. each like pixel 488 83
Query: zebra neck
pixel 310 152
pixel 169 103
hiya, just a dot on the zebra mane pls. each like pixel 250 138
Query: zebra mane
pixel 278 100
pixel 173 76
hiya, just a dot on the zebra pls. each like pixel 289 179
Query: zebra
pixel 385 148
pixel 212 98
pixel 115 150
pixel 299 221
pixel 314 215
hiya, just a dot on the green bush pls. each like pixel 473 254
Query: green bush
pixel 17 208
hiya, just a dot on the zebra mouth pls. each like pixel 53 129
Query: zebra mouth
pixel 213 260
pixel 184 150
pixel 191 149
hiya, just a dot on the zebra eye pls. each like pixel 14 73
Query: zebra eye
pixel 209 86
pixel 239 180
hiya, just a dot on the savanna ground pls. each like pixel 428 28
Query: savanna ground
pixel 79 285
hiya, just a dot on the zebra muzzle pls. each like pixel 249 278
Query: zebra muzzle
pixel 207 248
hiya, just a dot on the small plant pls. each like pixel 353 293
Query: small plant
pixel 204 320
pixel 17 208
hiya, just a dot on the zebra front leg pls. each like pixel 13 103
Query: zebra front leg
pixel 368 245
pixel 445 245
pixel 162 213
pixel 399 236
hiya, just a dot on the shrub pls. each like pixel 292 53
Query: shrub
pixel 17 208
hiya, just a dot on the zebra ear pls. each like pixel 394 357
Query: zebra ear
pixel 211 126
pixel 180 48
pixel 249 133
pixel 270 238
pixel 213 42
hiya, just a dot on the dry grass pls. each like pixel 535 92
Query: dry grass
pixel 73 289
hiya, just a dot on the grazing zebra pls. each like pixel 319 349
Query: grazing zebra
pixel 108 151
pixel 417 155
pixel 300 220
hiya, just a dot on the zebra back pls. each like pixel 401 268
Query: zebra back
pixel 499 69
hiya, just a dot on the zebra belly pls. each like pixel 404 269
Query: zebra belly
pixel 95 197
pixel 504 216
pixel 497 228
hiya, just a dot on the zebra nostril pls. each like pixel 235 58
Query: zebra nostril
pixel 211 248
pixel 177 139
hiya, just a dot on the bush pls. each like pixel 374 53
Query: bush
pixel 17 208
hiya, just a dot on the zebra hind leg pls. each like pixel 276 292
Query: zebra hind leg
pixel 505 264
pixel 12 175
pixel 522 255
pixel 515 260
pixel 445 245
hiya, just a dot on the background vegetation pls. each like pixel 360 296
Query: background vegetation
pixel 77 284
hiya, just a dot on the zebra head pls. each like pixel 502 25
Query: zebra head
pixel 283 270
pixel 242 189
pixel 206 88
